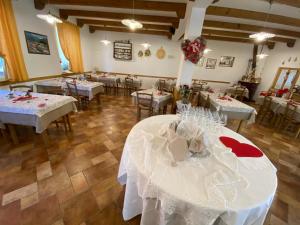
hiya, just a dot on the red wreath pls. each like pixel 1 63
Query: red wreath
pixel 193 50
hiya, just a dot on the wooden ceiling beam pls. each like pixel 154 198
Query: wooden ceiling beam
pixel 288 41
pixel 81 22
pixel 92 29
pixel 65 13
pixel 249 28
pixel 179 8
pixel 252 15
pixel 293 3
pixel 270 45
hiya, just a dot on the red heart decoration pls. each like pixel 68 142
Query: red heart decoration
pixel 241 149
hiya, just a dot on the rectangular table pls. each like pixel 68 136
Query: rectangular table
pixel 278 105
pixel 159 101
pixel 234 109
pixel 37 112
pixel 85 88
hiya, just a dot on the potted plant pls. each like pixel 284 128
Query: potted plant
pixel 184 91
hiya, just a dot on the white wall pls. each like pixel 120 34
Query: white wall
pixel 276 56
pixel 242 53
pixel 37 65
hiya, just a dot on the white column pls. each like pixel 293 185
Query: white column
pixel 194 19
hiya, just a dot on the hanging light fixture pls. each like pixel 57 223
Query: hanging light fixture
pixel 132 23
pixel 146 45
pixel 50 18
pixel 105 41
pixel 261 36
pixel 207 50
pixel 262 55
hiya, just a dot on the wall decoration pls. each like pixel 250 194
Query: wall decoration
pixel 289 60
pixel 37 43
pixel 211 63
pixel 201 62
pixel 140 53
pixel 147 52
pixel 226 61
pixel 123 50
pixel 193 50
pixel 161 53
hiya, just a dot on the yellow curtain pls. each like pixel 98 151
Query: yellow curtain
pixel 10 46
pixel 69 38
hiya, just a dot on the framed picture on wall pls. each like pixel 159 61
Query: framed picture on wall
pixel 37 43
pixel 211 63
pixel 123 50
pixel 201 62
pixel 226 61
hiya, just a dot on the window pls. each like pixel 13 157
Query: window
pixel 2 69
pixel 64 62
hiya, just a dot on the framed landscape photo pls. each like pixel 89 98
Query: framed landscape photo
pixel 211 63
pixel 226 61
pixel 37 43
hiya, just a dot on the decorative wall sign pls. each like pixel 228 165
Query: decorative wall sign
pixel 226 61
pixel 37 43
pixel 201 62
pixel 140 53
pixel 161 53
pixel 147 52
pixel 211 63
pixel 123 50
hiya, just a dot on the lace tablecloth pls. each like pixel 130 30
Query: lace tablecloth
pixel 106 79
pixel 37 112
pixel 199 191
pixel 233 108
pixel 85 88
pixel 159 101
pixel 278 105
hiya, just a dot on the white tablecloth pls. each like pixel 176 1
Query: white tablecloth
pixel 85 88
pixel 159 101
pixel 278 105
pixel 106 79
pixel 186 194
pixel 38 112
pixel 234 109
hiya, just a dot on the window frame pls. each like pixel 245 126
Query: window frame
pixel 5 73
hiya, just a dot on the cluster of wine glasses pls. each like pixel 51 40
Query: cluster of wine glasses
pixel 205 118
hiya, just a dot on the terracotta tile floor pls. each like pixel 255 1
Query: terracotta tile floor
pixel 74 181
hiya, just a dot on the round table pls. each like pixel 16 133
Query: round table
pixel 218 189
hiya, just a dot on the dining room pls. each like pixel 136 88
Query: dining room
pixel 150 112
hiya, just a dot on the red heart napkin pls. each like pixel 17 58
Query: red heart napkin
pixel 241 149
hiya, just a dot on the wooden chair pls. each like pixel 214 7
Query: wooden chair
pixel 144 102
pixel 296 97
pixel 88 77
pixel 21 86
pixel 288 119
pixel 239 93
pixel 73 91
pixel 161 84
pixel 197 87
pixel 128 86
pixel 207 102
pixel 265 109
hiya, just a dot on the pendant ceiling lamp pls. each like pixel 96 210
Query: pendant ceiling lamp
pixel 262 55
pixel 261 36
pixel 132 24
pixel 105 41
pixel 50 18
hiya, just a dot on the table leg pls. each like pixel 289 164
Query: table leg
pixel 69 122
pixel 98 98
pixel 239 127
pixel 45 138
pixel 13 134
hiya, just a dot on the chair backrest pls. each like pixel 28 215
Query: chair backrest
pixel 88 77
pixel 72 89
pixel 129 82
pixel 21 87
pixel 239 93
pixel 144 100
pixel 161 84
pixel 296 97
pixel 290 110
pixel 197 87
pixel 207 102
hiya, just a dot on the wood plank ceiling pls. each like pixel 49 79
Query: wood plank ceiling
pixel 163 17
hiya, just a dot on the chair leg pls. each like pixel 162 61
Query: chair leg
pixel 65 123
pixel 298 133
pixel 69 122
